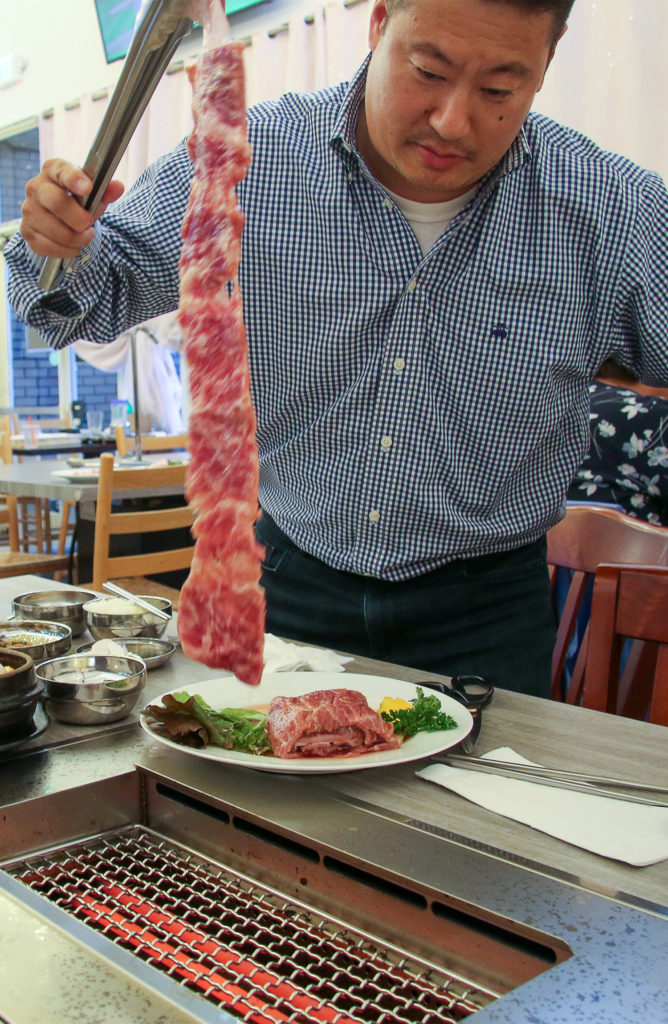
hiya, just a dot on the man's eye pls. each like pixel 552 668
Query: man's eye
pixel 498 94
pixel 424 73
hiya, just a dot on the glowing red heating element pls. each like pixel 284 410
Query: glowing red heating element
pixel 221 614
pixel 218 972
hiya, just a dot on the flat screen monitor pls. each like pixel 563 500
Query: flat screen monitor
pixel 117 21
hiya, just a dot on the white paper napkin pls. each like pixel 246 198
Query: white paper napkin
pixel 633 833
pixel 281 656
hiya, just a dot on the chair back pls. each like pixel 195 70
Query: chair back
pixel 587 537
pixel 13 561
pixel 150 442
pixel 8 505
pixel 113 482
pixel 629 602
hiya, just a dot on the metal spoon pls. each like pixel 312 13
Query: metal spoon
pixel 113 588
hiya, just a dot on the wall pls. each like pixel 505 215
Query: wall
pixel 608 79
pixel 35 376
pixel 63 50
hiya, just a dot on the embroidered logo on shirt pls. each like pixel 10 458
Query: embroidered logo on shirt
pixel 499 332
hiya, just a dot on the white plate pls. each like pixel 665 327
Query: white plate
pixel 228 692
pixel 79 474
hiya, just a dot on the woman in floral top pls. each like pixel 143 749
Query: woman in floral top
pixel 627 464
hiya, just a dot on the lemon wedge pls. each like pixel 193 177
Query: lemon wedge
pixel 393 704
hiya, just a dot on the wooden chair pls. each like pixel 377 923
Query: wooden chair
pixel 34 514
pixel 150 442
pixel 628 602
pixel 130 571
pixel 66 530
pixel 14 561
pixel 586 538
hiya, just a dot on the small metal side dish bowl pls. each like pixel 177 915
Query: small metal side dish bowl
pixel 117 626
pixel 91 703
pixel 152 651
pixel 17 675
pixel 55 606
pixel 55 637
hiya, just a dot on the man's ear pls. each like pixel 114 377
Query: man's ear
pixel 377 22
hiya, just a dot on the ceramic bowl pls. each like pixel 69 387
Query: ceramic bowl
pixel 17 675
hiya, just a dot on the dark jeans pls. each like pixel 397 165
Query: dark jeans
pixel 488 616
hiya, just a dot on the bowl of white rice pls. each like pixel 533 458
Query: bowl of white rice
pixel 114 617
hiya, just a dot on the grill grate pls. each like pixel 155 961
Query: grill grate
pixel 239 944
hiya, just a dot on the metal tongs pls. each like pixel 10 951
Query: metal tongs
pixel 161 25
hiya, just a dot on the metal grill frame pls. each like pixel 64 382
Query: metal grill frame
pixel 455 1000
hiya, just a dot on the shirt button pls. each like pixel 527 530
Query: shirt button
pixel 399 364
pixel 412 285
pixel 386 442
pixel 387 203
pixel 374 515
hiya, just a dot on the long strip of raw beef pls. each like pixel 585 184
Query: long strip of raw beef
pixel 221 613
pixel 327 723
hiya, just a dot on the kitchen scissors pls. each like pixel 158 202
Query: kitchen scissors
pixel 475 693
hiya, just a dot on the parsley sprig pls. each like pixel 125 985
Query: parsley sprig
pixel 425 715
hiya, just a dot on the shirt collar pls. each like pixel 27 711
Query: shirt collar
pixel 343 132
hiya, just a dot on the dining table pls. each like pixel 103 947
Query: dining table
pixel 56 479
pixel 609 919
pixel 63 443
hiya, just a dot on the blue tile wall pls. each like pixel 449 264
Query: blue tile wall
pixel 35 373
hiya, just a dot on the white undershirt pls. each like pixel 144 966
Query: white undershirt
pixel 429 220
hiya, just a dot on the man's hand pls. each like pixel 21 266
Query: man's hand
pixel 53 222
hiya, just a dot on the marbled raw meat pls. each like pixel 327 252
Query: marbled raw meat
pixel 221 613
pixel 327 723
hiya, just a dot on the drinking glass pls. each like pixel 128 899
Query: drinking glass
pixel 94 420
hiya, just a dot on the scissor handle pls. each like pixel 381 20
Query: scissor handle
pixel 477 689
pixel 471 691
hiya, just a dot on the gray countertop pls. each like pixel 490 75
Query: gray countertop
pixel 547 732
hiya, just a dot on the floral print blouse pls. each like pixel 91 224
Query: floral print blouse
pixel 627 464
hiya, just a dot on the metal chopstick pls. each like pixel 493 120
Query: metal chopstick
pixel 119 592
pixel 526 773
pixel 564 773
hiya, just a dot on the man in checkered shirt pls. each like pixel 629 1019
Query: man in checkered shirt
pixel 431 276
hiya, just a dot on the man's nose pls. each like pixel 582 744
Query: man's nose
pixel 451 117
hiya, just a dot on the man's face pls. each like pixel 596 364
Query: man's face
pixel 449 85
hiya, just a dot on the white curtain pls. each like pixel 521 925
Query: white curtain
pixel 609 80
pixel 306 54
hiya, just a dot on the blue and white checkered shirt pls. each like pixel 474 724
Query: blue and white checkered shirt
pixel 411 409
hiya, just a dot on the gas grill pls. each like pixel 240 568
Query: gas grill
pixel 239 895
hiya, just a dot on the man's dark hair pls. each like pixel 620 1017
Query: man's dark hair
pixel 560 9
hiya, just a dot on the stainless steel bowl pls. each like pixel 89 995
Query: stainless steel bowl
pixel 153 652
pixel 57 637
pixel 17 676
pixel 64 606
pixel 116 625
pixel 91 703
